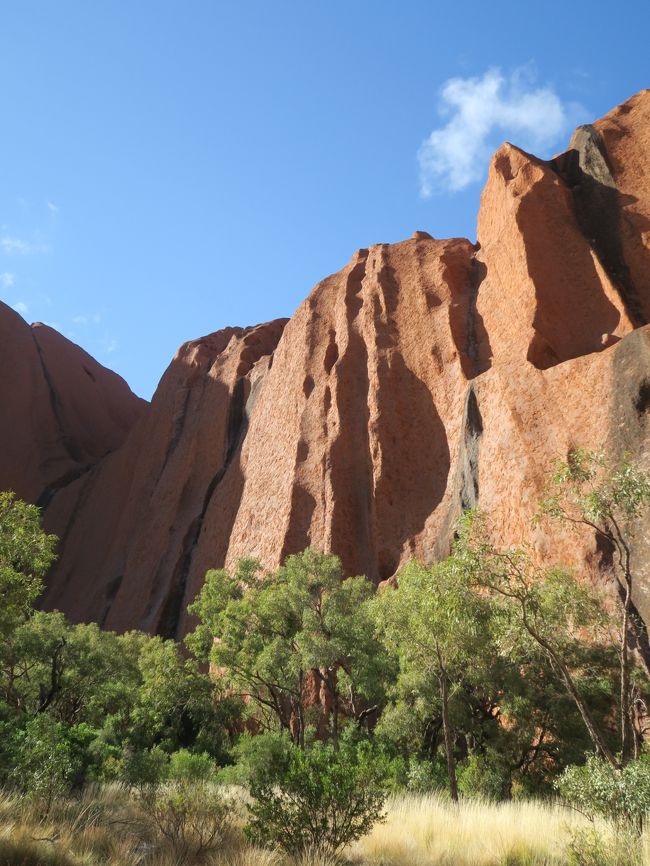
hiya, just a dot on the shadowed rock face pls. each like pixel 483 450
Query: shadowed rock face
pixel 133 527
pixel 425 377
pixel 62 412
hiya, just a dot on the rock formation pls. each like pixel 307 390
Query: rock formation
pixel 62 412
pixel 425 377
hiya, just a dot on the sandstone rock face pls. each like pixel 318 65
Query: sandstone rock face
pixel 62 412
pixel 131 526
pixel 425 377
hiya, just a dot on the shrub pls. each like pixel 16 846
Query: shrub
pixel 319 799
pixel 591 848
pixel 142 769
pixel 193 817
pixel 597 790
pixel 256 757
pixel 186 766
pixel 43 761
pixel 484 776
pixel 424 777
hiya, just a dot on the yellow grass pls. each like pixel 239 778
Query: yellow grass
pixel 108 828
pixel 431 831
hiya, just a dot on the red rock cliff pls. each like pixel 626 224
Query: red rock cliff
pixel 62 412
pixel 424 377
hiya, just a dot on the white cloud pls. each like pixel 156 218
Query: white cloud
pixel 480 113
pixel 80 320
pixel 17 246
pixel 110 345
pixel 53 209
pixel 21 307
pixel 6 280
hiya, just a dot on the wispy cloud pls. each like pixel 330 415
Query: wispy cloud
pixel 6 280
pixel 21 307
pixel 53 209
pixel 11 245
pixel 94 319
pixel 110 345
pixel 480 113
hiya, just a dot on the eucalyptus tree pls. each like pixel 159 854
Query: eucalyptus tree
pixel 437 626
pixel 547 607
pixel 592 494
pixel 272 634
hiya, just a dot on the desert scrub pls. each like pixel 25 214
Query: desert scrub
pixel 194 818
pixel 318 800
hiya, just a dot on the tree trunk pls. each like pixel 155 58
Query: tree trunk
pixel 447 732
pixel 301 715
pixel 334 694
pixel 596 737
pixel 626 732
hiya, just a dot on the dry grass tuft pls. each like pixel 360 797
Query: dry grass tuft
pixel 431 831
pixel 106 827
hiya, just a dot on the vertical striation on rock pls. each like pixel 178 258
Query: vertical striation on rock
pixel 425 377
pixel 132 525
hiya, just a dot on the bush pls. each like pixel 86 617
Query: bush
pixel 43 764
pixel 320 799
pixel 484 776
pixel 193 817
pixel 590 848
pixel 142 769
pixel 256 757
pixel 426 776
pixel 186 766
pixel 597 790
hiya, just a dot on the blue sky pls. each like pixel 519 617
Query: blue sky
pixel 169 168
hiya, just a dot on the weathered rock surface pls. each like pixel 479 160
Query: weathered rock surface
pixel 62 412
pixel 132 526
pixel 425 377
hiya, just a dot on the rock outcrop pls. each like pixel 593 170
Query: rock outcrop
pixel 425 377
pixel 133 527
pixel 62 412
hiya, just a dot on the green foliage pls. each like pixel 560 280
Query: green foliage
pixel 142 769
pixel 598 790
pixel 43 760
pixel 486 776
pixel 187 767
pixel 591 495
pixel 192 816
pixel 438 628
pixel 425 777
pixel 269 632
pixel 256 756
pixel 320 799
pixel 26 553
pixel 589 847
pixel 587 487
pixel 539 612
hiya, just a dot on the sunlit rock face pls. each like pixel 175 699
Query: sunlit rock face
pixel 425 377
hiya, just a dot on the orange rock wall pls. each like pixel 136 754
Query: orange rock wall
pixel 425 377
